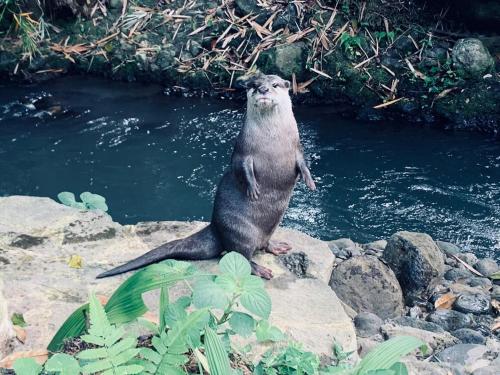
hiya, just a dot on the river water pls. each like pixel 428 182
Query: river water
pixel 159 157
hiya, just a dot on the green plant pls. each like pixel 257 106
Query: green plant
pixel 348 42
pixel 290 360
pixel 89 201
pixel 381 35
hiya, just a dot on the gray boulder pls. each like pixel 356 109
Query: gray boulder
pixel 468 258
pixel 450 320
pixel 368 285
pixel 455 274
pixel 367 324
pixel 486 266
pixel 471 58
pixel 417 262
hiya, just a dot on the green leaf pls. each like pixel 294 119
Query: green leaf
pixel 495 276
pixel 18 320
pixel 67 198
pixel 62 363
pixel 217 357
pixel 94 201
pixel 72 327
pixel 267 332
pixel 207 293
pixel 387 354
pixel 257 301
pixel 399 368
pixel 228 283
pixel 235 264
pixel 241 323
pixel 27 366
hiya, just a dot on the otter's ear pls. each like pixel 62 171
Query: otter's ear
pixel 287 84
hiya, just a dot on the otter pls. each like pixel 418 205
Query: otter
pixel 255 190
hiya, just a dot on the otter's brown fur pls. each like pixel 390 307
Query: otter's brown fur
pixel 255 190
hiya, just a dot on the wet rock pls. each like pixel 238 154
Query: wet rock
pixel 469 336
pixel 285 60
pixel 478 303
pixel 464 354
pixel 450 320
pixel 417 262
pixel 407 321
pixel 455 274
pixel 367 324
pixel 448 248
pixel 486 266
pixel 436 341
pixel 368 285
pixel 471 58
pixel 376 246
pixel 341 254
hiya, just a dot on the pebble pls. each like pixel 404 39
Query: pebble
pixel 408 321
pixel 450 320
pixel 448 248
pixel 469 336
pixel 482 282
pixel 478 303
pixel 456 274
pixel 486 266
pixel 367 324
pixel 464 354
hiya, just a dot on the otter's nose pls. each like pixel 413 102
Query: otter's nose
pixel 263 89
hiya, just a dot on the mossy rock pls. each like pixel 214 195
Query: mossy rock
pixel 285 60
pixel 471 58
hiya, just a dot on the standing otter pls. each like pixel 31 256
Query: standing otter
pixel 254 192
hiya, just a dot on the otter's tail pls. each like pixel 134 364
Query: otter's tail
pixel 200 245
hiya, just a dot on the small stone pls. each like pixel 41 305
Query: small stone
pixel 482 282
pixel 471 58
pixel 450 320
pixel 469 336
pixel 456 274
pixel 486 266
pixel 464 354
pixel 468 258
pixel 408 321
pixel 342 254
pixel 448 248
pixel 478 303
pixel 367 324
pixel 368 285
pixel 378 246
pixel 495 292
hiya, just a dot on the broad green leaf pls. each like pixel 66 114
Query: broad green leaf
pixel 257 301
pixel 18 320
pixel 235 264
pixel 241 323
pixel 177 311
pixel 228 283
pixel 94 201
pixel 267 332
pixel 67 198
pixel 63 364
pixel 387 354
pixel 27 366
pixel 206 293
pixel 72 327
pixel 217 357
pixel 399 368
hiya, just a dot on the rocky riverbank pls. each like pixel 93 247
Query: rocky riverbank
pixel 376 60
pixel 356 295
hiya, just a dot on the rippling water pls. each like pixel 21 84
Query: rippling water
pixel 156 157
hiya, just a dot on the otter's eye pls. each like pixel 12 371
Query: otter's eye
pixel 275 84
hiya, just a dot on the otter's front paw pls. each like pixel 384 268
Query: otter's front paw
pixel 253 192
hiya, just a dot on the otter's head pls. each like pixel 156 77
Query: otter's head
pixel 266 93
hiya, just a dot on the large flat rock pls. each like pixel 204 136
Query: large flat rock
pixel 38 236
